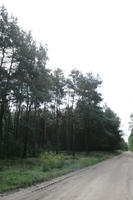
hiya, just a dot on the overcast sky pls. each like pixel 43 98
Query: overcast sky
pixel 91 35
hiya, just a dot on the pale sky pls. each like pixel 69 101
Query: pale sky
pixel 90 35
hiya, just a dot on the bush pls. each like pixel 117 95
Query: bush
pixel 60 163
pixel 51 160
pixel 46 166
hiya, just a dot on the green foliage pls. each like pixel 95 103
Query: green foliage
pixel 52 160
pixel 123 145
pixel 130 141
pixel 112 128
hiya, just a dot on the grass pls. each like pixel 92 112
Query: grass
pixel 26 172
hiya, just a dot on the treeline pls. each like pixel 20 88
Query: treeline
pixel 42 109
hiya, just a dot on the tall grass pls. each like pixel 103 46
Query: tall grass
pixel 25 172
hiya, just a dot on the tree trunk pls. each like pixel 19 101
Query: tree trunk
pixel 2 110
pixel 35 129
pixel 17 120
pixel 44 133
pixel 26 132
pixel 25 147
pixel 67 131
pixel 73 144
pixel 57 132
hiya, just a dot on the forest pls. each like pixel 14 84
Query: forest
pixel 43 109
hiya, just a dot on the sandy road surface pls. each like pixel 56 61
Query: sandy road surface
pixel 111 179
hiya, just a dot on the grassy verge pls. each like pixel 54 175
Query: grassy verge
pixel 25 172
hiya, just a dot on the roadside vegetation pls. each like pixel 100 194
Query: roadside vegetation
pixel 130 138
pixel 130 141
pixel 26 172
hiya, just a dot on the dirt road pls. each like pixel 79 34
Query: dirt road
pixel 111 179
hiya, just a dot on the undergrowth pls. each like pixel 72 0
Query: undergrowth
pixel 26 172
